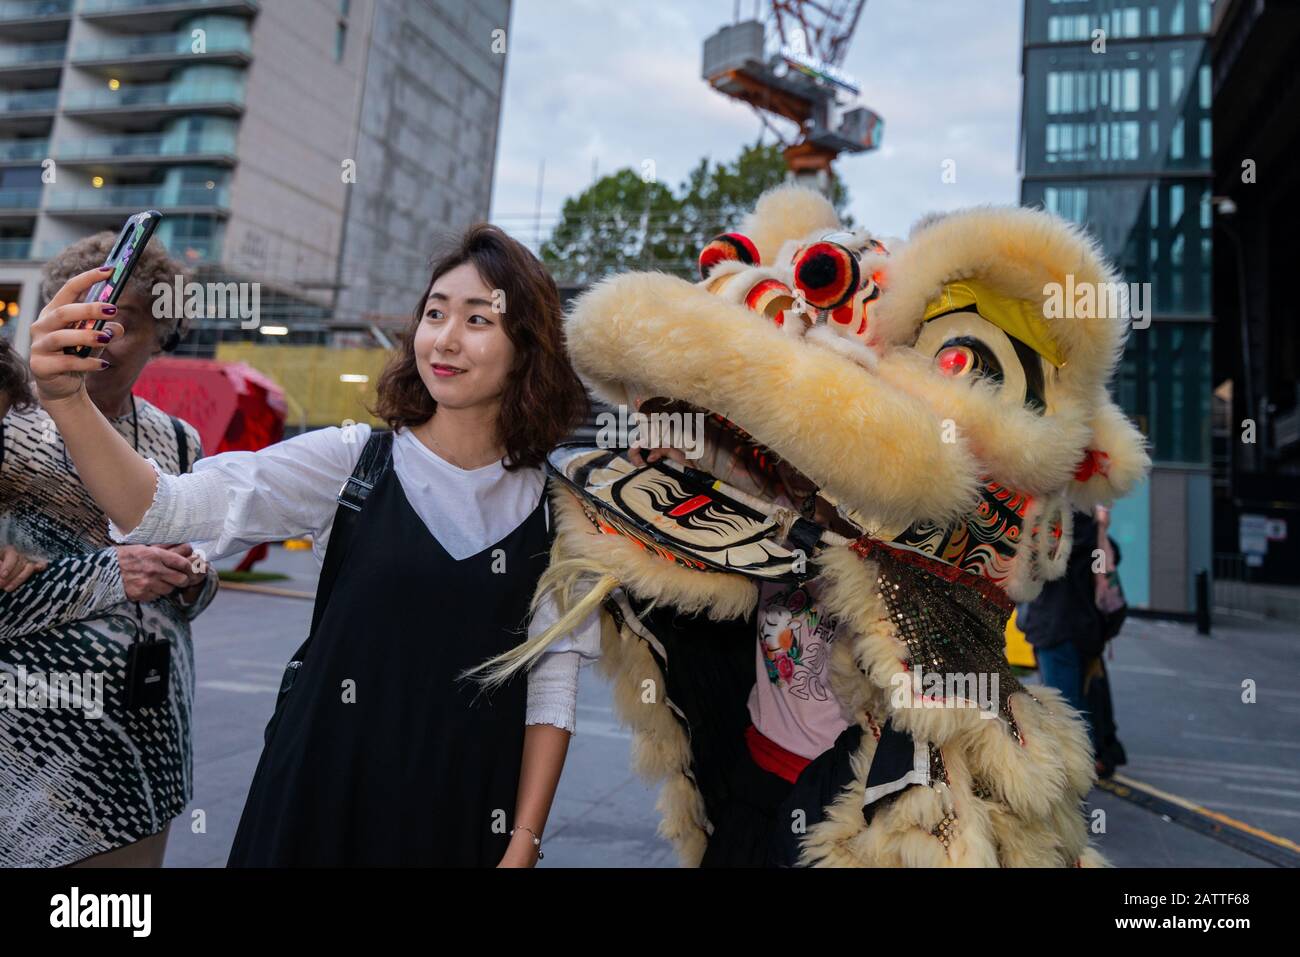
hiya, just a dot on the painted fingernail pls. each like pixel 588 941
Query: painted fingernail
pixel 105 337
pixel 106 268
pixel 108 310
pixel 104 363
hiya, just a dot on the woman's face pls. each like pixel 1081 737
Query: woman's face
pixel 461 347
pixel 131 349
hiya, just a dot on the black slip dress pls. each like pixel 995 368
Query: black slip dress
pixel 381 755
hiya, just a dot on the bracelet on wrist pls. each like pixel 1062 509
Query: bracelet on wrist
pixel 537 841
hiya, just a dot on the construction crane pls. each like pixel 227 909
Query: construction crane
pixel 789 68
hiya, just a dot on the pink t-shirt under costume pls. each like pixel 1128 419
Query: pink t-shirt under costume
pixel 792 703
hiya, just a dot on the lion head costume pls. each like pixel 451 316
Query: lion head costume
pixel 933 417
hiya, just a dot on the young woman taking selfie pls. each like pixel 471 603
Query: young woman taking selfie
pixel 379 752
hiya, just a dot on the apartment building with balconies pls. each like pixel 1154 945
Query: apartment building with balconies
pixel 318 147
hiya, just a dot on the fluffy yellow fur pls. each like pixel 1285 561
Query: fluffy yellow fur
pixel 1031 453
pixel 830 419
pixel 874 440
pixel 1126 449
pixel 1032 780
pixel 1022 252
pixel 660 749
pixel 1018 251
pixel 1033 820
pixel 787 212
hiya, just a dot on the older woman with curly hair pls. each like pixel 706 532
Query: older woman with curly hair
pixel 94 778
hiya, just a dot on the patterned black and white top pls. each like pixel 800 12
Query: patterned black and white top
pixel 88 775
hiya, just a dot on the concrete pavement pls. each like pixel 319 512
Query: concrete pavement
pixel 1178 699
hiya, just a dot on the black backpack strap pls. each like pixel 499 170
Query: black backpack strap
pixel 376 455
pixel 370 466
pixel 182 444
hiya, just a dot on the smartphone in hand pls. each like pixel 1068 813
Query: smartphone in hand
pixel 126 252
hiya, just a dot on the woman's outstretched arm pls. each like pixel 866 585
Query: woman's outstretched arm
pixel 117 477
pixel 228 503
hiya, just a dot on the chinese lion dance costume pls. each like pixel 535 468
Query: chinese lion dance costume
pixel 896 431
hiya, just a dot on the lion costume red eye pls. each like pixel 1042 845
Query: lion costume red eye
pixel 827 274
pixel 955 360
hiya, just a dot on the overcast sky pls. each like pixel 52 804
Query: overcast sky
pixel 616 82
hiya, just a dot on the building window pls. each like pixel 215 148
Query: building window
pixel 1176 76
pixel 1069 202
pixel 1164 383
pixel 1131 101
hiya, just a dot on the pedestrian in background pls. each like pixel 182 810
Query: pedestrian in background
pixel 1069 625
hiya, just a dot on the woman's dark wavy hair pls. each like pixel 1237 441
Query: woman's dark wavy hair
pixel 15 381
pixel 544 399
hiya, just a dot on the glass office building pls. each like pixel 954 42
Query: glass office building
pixel 1116 135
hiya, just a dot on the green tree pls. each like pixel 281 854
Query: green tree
pixel 622 222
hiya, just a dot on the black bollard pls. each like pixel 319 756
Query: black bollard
pixel 1203 602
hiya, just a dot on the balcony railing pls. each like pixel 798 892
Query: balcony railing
pixel 30 54
pixel 126 6
pixel 28 100
pixel 32 9
pixel 139 197
pixel 20 198
pixel 164 44
pixel 15 248
pixel 217 143
pixel 156 94
pixel 206 249
pixel 11 150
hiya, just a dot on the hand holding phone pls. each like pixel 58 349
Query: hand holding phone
pixel 125 254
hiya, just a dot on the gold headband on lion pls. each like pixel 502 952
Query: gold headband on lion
pixel 1019 318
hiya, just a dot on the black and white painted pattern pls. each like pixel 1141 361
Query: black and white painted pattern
pixel 71 784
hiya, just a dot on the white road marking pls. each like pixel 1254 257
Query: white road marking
pixel 239 687
pixel 1229 739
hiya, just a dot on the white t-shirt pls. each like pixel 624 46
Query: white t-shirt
pixel 792 702
pixel 236 500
